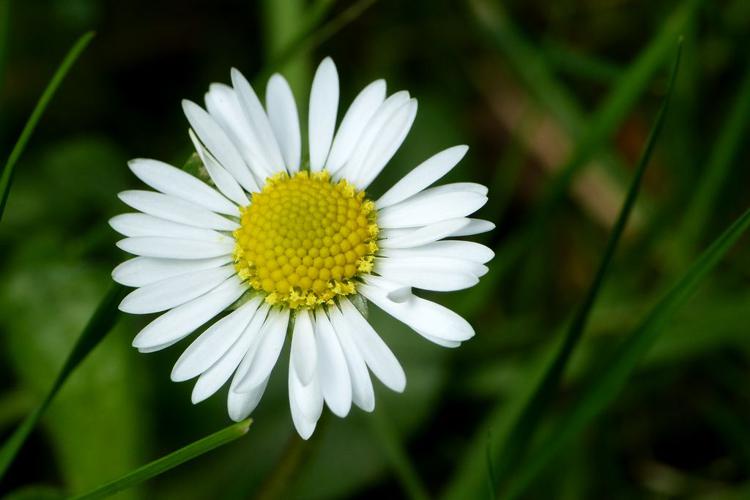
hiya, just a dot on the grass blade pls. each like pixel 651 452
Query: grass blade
pixel 99 325
pixel 399 460
pixel 170 461
pixel 607 384
pixel 523 428
pixel 730 139
pixel 6 177
pixel 604 122
pixel 4 25
pixel 313 37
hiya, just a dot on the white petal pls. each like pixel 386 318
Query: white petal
pixel 282 113
pixel 177 248
pixel 304 352
pixel 212 344
pixel 219 372
pixel 224 105
pixel 450 344
pixel 335 382
pixel 474 226
pixel 172 292
pixel 422 176
pixel 224 181
pixel 139 224
pixel 441 274
pixel 369 134
pixel 324 103
pixel 375 352
pixel 142 271
pixel 173 181
pixel 353 124
pixel 258 119
pixel 388 140
pixel 241 405
pixel 305 403
pixel 457 249
pixel 217 142
pixel 424 235
pixel 185 319
pixel 429 207
pixel 176 210
pixel 271 342
pixel 423 316
pixel 363 394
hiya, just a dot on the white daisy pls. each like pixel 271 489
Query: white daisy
pixel 280 243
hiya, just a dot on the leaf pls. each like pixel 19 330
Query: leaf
pixel 170 461
pixel 6 177
pixel 521 431
pixel 604 387
pixel 98 326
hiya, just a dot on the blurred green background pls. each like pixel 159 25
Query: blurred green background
pixel 524 84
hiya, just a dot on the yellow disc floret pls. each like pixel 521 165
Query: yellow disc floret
pixel 303 239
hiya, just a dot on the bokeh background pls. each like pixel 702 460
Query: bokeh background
pixel 522 83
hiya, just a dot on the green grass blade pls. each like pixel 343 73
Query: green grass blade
pixel 99 325
pixel 608 383
pixel 4 28
pixel 170 461
pixel 522 430
pixel 6 177
pixel 314 36
pixel 412 485
pixel 604 122
pixel 731 138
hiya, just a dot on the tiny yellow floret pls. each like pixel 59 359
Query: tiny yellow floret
pixel 304 239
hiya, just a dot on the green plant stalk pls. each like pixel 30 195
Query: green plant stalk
pixel 604 387
pixel 603 123
pixel 170 461
pixel 523 428
pixel 6 177
pixel 99 325
pixel 730 139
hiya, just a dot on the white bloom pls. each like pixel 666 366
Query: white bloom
pixel 286 244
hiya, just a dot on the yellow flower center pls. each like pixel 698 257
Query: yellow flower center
pixel 304 239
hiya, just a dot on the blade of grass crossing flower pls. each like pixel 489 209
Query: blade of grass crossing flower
pixel 99 325
pixel 6 177
pixel 520 433
pixel 604 387
pixel 170 461
pixel 731 138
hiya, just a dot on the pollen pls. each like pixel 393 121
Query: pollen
pixel 304 239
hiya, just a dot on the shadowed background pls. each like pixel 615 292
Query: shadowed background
pixel 522 83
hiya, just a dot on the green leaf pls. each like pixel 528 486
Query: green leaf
pixel 170 461
pixel 605 386
pixel 99 325
pixel 513 447
pixel 6 177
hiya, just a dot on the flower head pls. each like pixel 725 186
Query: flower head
pixel 271 242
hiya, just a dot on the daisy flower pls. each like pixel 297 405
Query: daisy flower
pixel 275 242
